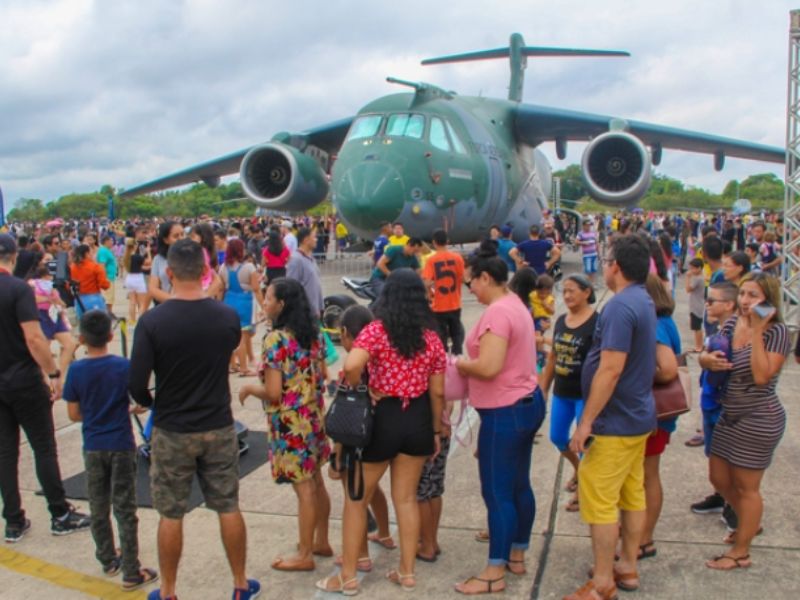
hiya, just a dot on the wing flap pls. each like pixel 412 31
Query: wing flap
pixel 537 124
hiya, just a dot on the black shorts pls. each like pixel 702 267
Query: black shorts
pixel 397 431
pixel 695 322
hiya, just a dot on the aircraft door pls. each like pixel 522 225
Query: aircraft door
pixel 496 190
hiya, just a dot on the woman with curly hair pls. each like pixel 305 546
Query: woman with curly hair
pixel 503 388
pixel 405 360
pixel 293 375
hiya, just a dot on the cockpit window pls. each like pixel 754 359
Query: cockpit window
pixel 364 127
pixel 457 144
pixel 405 125
pixel 438 135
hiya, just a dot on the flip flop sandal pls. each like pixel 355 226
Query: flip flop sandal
pixel 145 577
pixel 489 586
pixel 647 553
pixel 743 562
pixel 278 565
pixel 510 562
pixel 589 592
pixel 731 537
pixel 482 536
pixel 322 584
pixel 112 568
pixel 620 579
pixel 397 578
pixel 427 559
pixel 363 564
pixel 387 542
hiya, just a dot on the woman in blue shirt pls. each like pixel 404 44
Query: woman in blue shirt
pixel 668 347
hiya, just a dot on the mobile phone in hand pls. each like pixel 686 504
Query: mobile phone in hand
pixel 764 310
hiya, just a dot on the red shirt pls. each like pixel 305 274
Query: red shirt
pixel 392 374
pixel 279 261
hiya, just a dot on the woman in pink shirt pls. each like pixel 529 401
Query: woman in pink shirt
pixel 501 370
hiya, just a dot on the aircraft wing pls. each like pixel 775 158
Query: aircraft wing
pixel 327 137
pixel 536 124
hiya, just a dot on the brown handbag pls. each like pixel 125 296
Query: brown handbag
pixel 674 398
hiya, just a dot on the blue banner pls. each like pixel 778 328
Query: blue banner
pixel 2 209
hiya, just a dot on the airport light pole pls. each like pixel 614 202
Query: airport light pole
pixel 791 202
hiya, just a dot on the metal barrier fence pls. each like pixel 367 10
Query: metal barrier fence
pixel 352 264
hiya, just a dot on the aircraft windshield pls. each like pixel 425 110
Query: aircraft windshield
pixel 439 137
pixel 364 127
pixel 405 125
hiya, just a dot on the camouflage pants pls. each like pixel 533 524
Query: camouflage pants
pixel 111 479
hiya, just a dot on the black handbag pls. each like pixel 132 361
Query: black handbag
pixel 349 419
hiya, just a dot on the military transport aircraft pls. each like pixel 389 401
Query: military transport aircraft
pixel 433 159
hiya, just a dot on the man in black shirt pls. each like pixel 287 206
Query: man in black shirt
pixel 187 342
pixel 25 402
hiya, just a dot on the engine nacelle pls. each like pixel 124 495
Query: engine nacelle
pixel 277 176
pixel 616 168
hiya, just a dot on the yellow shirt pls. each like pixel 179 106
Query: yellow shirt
pixel 341 230
pixel 395 240
pixel 538 309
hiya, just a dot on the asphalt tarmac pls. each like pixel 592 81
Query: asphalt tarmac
pixel 43 566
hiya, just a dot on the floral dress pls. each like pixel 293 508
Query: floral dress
pixel 298 445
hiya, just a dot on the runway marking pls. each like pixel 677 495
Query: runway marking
pixel 64 577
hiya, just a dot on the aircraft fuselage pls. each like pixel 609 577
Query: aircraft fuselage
pixel 445 162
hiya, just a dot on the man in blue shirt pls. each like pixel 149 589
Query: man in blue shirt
pixel 504 247
pixel 536 253
pixel 618 416
pixel 380 243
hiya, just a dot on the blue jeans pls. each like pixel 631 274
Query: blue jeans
pixel 505 445
pixel 563 411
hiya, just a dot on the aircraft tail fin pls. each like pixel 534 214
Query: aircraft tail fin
pixel 517 53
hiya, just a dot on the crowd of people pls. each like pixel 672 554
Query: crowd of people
pixel 595 370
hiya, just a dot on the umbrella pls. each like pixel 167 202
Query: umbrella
pixel 55 223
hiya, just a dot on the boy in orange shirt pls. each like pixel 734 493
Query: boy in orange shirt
pixel 444 275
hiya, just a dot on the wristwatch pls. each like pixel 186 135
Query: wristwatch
pixel 55 375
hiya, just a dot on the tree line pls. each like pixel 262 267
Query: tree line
pixel 764 190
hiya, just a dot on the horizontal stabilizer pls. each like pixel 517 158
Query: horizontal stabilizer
pixel 517 52
pixel 525 51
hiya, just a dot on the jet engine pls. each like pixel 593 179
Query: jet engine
pixel 279 176
pixel 616 168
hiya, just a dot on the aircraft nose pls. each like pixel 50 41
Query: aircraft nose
pixel 370 193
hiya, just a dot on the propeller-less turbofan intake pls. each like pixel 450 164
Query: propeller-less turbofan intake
pixel 616 168
pixel 276 175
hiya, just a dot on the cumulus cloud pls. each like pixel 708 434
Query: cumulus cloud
pixel 122 92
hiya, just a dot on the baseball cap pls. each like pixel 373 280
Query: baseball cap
pixel 7 244
pixel 505 230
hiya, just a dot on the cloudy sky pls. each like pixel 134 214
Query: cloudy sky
pixel 121 92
